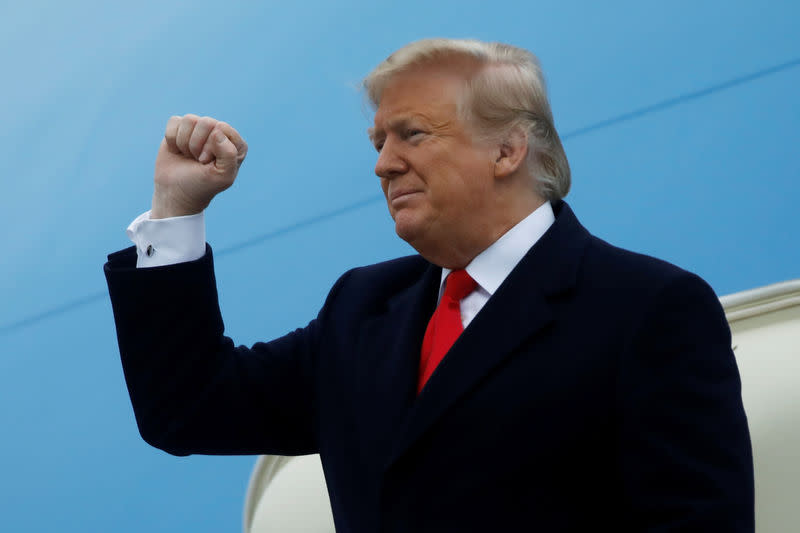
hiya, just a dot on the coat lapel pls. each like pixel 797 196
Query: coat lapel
pixel 388 352
pixel 518 310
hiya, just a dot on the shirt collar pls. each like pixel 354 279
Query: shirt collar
pixel 493 265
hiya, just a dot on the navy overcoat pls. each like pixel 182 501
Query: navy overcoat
pixel 596 390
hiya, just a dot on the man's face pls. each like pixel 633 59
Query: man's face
pixel 435 176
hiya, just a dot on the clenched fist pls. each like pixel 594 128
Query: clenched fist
pixel 198 158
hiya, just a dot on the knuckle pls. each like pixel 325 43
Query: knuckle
pixel 171 128
pixel 188 121
pixel 206 122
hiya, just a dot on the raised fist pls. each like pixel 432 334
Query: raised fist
pixel 198 158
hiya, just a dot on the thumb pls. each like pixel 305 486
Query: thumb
pixel 224 151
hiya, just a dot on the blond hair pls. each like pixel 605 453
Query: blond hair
pixel 507 92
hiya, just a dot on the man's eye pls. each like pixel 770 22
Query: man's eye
pixel 379 146
pixel 412 133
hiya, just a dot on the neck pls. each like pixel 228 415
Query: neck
pixel 466 243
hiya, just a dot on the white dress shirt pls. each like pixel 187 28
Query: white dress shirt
pixel 493 265
pixel 167 241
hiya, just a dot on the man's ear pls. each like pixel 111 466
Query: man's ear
pixel 512 152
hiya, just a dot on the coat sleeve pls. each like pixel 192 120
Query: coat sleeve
pixel 684 444
pixel 192 390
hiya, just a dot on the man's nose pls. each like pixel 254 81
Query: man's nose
pixel 390 163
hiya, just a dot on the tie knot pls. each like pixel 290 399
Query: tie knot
pixel 459 284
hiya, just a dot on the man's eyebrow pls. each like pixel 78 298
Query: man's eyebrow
pixel 397 123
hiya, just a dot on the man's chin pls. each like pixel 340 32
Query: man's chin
pixel 407 229
pixel 406 233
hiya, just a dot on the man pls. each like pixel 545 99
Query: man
pixel 591 388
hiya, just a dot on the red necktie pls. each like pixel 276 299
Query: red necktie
pixel 445 325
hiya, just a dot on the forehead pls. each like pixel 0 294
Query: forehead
pixel 424 93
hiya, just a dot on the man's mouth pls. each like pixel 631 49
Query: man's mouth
pixel 401 194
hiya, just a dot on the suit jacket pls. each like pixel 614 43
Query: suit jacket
pixel 596 389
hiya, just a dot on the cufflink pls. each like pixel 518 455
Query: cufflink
pixel 149 251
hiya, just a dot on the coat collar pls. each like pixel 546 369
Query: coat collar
pixel 394 418
pixel 518 310
pixel 388 351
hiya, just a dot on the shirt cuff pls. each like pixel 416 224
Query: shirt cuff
pixel 167 241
